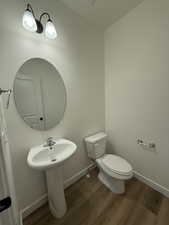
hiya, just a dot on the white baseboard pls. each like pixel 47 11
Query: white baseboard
pixel 163 190
pixel 42 200
pixel 35 205
pixel 78 175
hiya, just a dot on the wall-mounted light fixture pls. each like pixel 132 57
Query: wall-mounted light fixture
pixel 32 24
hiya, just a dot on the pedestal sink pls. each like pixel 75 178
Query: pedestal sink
pixel 50 159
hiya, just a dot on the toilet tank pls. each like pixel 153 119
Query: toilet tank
pixel 96 145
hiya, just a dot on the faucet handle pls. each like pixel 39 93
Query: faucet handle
pixel 49 138
pixel 50 141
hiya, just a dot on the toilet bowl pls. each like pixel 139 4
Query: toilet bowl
pixel 113 170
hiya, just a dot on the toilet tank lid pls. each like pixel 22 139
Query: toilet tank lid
pixel 96 137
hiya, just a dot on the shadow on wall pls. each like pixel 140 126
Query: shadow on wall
pixel 110 148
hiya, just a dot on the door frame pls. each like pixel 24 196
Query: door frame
pixel 11 215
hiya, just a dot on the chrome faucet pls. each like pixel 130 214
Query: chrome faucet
pixel 49 142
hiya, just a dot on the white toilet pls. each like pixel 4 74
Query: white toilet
pixel 114 170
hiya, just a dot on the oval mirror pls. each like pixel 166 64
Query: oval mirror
pixel 40 94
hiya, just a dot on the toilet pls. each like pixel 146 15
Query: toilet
pixel 113 169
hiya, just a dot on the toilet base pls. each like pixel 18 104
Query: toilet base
pixel 115 185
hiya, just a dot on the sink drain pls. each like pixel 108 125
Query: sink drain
pixel 53 160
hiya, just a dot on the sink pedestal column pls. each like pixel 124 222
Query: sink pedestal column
pixel 56 196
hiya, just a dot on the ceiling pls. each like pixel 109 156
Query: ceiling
pixel 102 12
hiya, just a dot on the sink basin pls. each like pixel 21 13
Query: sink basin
pixel 51 159
pixel 43 158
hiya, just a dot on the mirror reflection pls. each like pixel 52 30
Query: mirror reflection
pixel 40 94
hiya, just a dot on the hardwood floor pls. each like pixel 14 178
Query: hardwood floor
pixel 91 203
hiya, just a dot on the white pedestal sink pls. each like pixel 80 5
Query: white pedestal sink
pixel 51 160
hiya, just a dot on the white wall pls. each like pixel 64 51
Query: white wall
pixel 137 87
pixel 78 55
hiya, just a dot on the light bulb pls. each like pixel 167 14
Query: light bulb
pixel 50 31
pixel 29 22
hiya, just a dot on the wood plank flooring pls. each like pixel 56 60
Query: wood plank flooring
pixel 91 203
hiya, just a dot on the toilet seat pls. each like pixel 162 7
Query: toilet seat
pixel 116 164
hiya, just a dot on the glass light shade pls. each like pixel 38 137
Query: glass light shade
pixel 50 31
pixel 29 22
